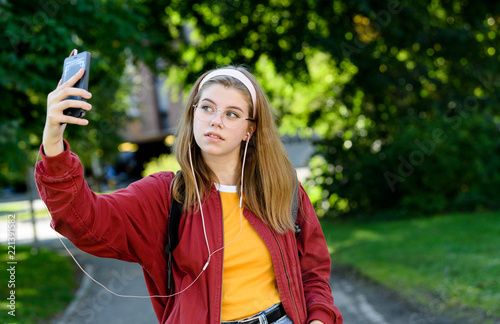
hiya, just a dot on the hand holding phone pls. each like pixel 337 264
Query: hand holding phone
pixel 72 65
pixel 66 103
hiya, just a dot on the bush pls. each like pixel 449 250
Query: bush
pixel 433 165
pixel 165 162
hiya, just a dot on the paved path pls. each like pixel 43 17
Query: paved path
pixel 364 302
pixel 96 305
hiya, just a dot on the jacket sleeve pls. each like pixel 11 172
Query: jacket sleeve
pixel 315 265
pixel 124 225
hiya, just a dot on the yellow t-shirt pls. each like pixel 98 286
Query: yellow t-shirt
pixel 248 279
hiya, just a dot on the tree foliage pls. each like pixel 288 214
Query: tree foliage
pixel 36 38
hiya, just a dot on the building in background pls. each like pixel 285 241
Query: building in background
pixel 154 114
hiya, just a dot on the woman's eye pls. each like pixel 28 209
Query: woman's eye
pixel 207 108
pixel 232 115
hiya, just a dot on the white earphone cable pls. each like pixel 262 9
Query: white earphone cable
pixel 88 275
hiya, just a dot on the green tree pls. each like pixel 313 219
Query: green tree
pixel 428 83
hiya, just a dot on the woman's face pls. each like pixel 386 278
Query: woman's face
pixel 217 141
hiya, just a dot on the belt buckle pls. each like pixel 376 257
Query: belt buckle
pixel 252 319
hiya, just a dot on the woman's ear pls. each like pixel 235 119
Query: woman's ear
pixel 249 134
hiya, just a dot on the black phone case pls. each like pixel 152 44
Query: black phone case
pixel 72 65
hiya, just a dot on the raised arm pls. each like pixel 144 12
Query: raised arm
pixel 124 225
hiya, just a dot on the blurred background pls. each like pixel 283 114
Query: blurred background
pixel 389 110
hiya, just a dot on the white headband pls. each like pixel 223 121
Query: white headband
pixel 237 75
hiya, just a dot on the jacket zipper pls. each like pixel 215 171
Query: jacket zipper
pixel 286 274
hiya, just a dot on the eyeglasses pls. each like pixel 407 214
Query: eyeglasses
pixel 231 118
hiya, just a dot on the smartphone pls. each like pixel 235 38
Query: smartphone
pixel 72 65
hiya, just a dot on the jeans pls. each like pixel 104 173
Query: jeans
pixel 283 320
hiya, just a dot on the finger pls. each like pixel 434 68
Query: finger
pixel 71 81
pixel 59 101
pixel 64 119
pixel 73 52
pixel 70 103
pixel 64 93
pixel 59 119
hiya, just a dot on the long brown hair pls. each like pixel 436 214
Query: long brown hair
pixel 269 176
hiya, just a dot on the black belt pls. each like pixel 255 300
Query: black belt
pixel 271 317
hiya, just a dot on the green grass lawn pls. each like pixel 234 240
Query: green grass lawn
pixel 44 284
pixel 449 262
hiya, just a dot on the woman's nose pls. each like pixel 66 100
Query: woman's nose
pixel 217 118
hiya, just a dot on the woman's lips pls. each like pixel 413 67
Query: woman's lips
pixel 214 137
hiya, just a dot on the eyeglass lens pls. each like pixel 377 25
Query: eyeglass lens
pixel 230 117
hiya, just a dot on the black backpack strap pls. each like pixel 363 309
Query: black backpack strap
pixel 174 219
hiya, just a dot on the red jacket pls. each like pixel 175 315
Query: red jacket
pixel 131 225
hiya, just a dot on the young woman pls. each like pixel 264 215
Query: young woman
pixel 238 259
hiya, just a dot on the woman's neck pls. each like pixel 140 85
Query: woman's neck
pixel 226 172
